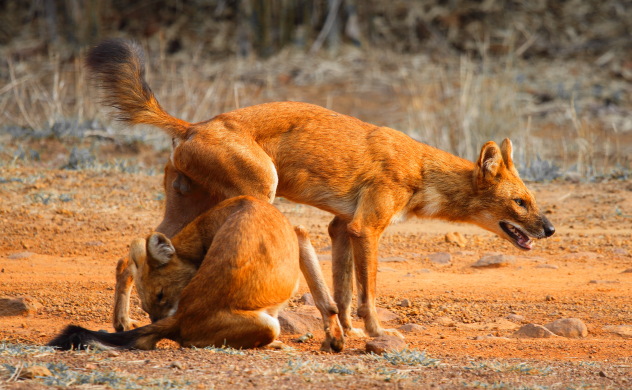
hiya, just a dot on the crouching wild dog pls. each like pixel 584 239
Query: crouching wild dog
pixel 250 270
pixel 367 176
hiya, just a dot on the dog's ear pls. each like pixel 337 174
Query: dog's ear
pixel 160 250
pixel 137 253
pixel 506 149
pixel 488 164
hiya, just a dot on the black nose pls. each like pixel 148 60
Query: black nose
pixel 549 229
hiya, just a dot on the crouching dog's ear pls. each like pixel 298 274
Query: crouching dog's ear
pixel 488 164
pixel 160 250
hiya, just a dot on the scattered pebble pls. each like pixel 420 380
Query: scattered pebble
pixel 405 303
pixel 382 344
pixel 568 327
pixel 305 337
pixel 411 328
pixel 621 330
pixel 298 323
pixel 21 306
pixel 494 261
pixel 20 255
pixel 515 317
pixel 533 331
pixel 386 315
pixel 307 299
pixel 547 266
pixel 490 337
pixel 177 365
pixel 621 252
pixel 444 321
pixel 441 258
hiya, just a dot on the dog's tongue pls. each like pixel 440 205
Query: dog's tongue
pixel 525 242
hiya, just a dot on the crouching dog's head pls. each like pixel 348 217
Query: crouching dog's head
pixel 160 275
pixel 505 205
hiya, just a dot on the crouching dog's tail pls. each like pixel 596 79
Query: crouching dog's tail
pixel 76 337
pixel 118 66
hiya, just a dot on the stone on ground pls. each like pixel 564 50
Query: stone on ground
pixel 533 331
pixel 568 327
pixel 21 306
pixel 382 344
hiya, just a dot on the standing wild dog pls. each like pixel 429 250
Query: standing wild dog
pixel 249 271
pixel 366 175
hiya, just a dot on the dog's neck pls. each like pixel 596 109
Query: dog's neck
pixel 446 189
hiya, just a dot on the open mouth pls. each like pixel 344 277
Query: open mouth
pixel 517 235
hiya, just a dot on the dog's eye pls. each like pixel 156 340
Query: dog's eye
pixel 160 296
pixel 521 202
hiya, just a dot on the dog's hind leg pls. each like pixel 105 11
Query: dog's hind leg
pixel 342 270
pixel 235 329
pixel 224 164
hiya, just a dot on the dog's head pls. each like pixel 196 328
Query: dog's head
pixel 160 275
pixel 504 205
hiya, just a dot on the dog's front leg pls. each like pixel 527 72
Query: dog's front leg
pixel 364 241
pixel 124 282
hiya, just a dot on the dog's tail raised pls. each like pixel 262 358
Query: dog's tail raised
pixel 145 337
pixel 118 67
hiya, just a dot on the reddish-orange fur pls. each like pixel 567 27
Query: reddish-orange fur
pixel 365 175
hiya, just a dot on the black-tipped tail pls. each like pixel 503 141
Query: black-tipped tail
pixel 76 337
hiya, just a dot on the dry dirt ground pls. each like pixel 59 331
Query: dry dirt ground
pixel 63 231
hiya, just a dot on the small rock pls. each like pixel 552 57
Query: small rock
pixel 20 255
pixel 298 323
pixel 113 354
pixel 548 266
pixel 34 372
pixel 405 303
pixel 444 321
pixel 490 337
pixel 456 238
pixel 386 315
pixel 393 259
pixel 411 328
pixel 382 344
pixel 307 299
pixel 621 330
pixel 604 281
pixel 440 258
pixel 494 261
pixel 18 306
pixel 304 338
pixel 515 317
pixel 621 252
pixel 627 271
pixel 177 365
pixel 568 327
pixel 533 331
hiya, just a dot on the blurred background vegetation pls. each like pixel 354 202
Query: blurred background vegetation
pixel 553 75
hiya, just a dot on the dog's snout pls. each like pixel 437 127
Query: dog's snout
pixel 548 227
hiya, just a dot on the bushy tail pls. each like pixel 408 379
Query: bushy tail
pixel 118 66
pixel 146 337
